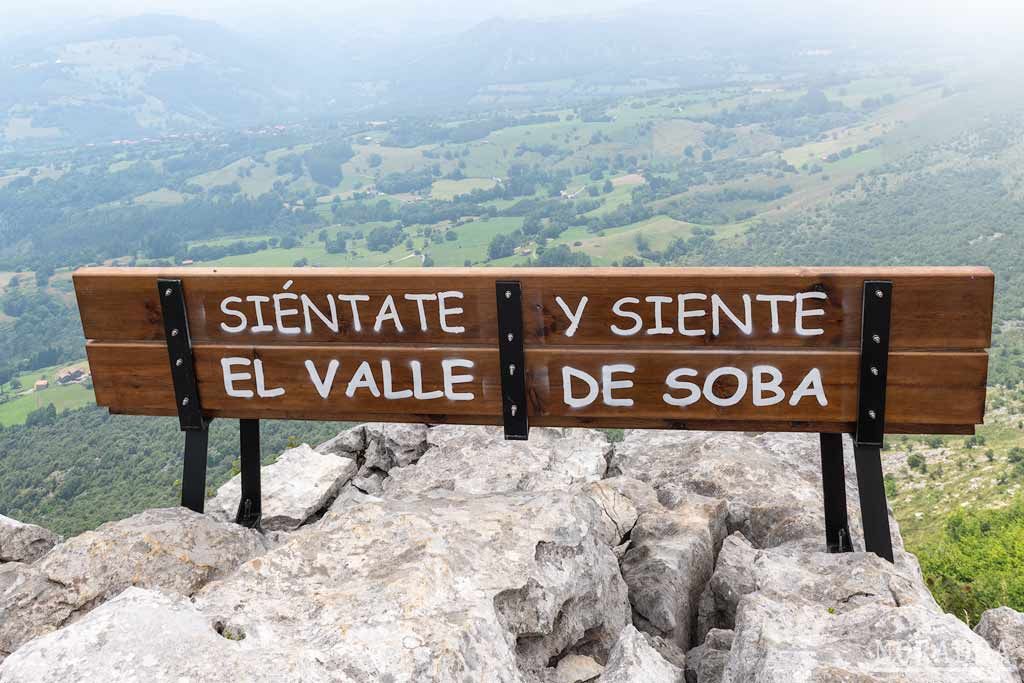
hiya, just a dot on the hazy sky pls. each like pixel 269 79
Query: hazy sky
pixel 959 16
pixel 255 13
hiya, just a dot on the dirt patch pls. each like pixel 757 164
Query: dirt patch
pixel 630 179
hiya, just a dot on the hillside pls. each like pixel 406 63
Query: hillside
pixel 135 77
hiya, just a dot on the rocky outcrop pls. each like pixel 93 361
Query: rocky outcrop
pixel 124 640
pixel 706 662
pixel 633 659
pixel 411 554
pixel 837 582
pixel 794 640
pixel 295 488
pixel 479 460
pixel 670 558
pixel 771 483
pixel 1003 629
pixel 492 588
pixel 576 669
pixel 172 549
pixel 810 616
pixel 441 589
pixel 20 542
pixel 377 448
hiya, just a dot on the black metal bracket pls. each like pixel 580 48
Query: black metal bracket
pixel 869 434
pixel 874 362
pixel 193 469
pixel 179 353
pixel 870 431
pixel 512 359
pixel 833 480
pixel 186 394
pixel 250 510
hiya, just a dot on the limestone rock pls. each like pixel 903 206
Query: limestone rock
pixel 152 637
pixel 380 445
pixel 633 660
pixel 350 443
pixel 792 640
pixel 394 445
pixel 472 459
pixel 706 662
pixel 836 582
pixel 438 589
pixel 670 559
pixel 30 605
pixel 20 542
pixel 173 549
pixel 619 514
pixel 1003 629
pixel 377 448
pixel 771 482
pixel 300 484
pixel 576 669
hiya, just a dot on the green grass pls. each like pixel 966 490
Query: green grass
pixel 960 508
pixel 473 240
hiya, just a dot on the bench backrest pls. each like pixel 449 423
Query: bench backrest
pixel 698 348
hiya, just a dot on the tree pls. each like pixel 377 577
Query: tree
pixel 501 246
pixel 705 155
pixel 46 415
pixel 384 238
pixel 562 255
pixel 607 187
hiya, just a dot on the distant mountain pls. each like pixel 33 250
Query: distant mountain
pixel 138 76
pixel 155 73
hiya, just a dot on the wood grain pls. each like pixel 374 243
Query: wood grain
pixel 933 308
pixel 939 392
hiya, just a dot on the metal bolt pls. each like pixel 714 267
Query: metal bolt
pixel 879 293
pixel 511 368
pixel 874 371
pixel 184 401
pixel 178 363
pixel 508 293
pixel 875 338
pixel 511 336
pixel 871 414
pixel 174 332
pixel 168 292
pixel 513 410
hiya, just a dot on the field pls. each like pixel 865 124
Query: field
pixel 22 401
pixel 655 131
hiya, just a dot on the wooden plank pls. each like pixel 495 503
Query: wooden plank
pixel 927 392
pixel 933 308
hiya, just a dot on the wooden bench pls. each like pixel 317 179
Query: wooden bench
pixel 865 351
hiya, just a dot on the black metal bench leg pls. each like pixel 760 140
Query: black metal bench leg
pixel 193 471
pixel 250 506
pixel 873 509
pixel 833 480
